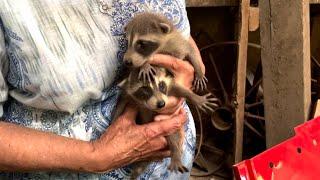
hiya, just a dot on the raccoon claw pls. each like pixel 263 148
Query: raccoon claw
pixel 147 73
pixel 200 83
pixel 177 166
pixel 207 103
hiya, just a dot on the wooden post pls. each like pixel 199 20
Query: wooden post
pixel 241 76
pixel 285 42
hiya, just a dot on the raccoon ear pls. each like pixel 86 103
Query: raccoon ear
pixel 123 84
pixel 165 28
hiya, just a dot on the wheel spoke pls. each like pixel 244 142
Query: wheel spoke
pixel 253 87
pixel 248 106
pixel 257 46
pixel 253 129
pixel 249 115
pixel 315 61
pixel 225 94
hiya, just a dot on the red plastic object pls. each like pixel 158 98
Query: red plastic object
pixel 297 158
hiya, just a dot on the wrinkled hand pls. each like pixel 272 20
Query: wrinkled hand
pixel 125 142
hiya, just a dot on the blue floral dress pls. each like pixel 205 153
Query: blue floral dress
pixel 58 63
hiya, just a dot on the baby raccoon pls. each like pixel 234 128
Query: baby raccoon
pixel 150 98
pixel 148 34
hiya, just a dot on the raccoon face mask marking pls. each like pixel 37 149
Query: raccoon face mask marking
pixel 162 87
pixel 144 93
pixel 146 33
pixel 145 48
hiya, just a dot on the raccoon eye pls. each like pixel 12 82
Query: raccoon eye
pixel 146 48
pixel 162 87
pixel 141 45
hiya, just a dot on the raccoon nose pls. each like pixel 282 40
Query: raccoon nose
pixel 161 104
pixel 128 62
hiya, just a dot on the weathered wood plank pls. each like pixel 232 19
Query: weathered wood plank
pixel 241 76
pixel 285 42
pixel 253 18
pixel 314 1
pixel 207 3
pixel 316 109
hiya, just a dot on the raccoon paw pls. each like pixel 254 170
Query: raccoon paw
pixel 147 73
pixel 200 83
pixel 207 103
pixel 177 166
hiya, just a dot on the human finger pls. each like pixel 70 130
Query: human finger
pixel 164 128
pixel 152 145
pixel 172 63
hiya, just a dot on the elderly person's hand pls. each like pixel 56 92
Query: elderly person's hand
pixel 125 142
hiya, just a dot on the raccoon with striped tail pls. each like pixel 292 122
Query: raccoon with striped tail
pixel 148 34
pixel 150 98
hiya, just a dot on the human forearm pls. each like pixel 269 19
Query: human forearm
pixel 24 149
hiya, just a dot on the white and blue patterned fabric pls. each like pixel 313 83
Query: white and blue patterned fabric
pixel 58 63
